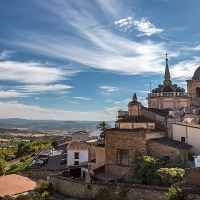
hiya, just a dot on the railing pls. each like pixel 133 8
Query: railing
pixel 169 94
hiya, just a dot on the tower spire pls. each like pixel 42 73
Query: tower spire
pixel 167 74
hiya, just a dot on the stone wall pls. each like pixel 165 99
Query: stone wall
pixel 78 189
pixel 192 176
pixel 160 150
pixel 122 139
pixel 40 173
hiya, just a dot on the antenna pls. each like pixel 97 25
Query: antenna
pixel 150 86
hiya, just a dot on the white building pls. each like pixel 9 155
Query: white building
pixel 188 133
pixel 77 152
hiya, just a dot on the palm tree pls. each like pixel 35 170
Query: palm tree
pixel 103 126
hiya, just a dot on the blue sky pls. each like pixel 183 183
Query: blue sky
pixel 84 59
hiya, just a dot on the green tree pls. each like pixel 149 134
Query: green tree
pixel 103 126
pixel 23 149
pixel 44 186
pixel 3 166
pixel 170 175
pixel 144 167
pixel 176 194
pixel 54 144
pixel 112 193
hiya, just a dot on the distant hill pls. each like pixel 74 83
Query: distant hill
pixel 16 123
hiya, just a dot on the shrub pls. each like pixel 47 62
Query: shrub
pixel 112 193
pixel 176 194
pixel 14 166
pixel 44 186
pixel 33 154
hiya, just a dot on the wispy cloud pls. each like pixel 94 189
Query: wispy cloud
pixel 5 54
pixel 14 109
pixel 44 88
pixel 197 48
pixel 108 88
pixel 145 27
pixel 32 72
pixel 82 98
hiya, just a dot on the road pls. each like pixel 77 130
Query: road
pixel 55 158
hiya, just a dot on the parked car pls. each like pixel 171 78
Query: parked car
pixel 63 161
pixel 64 154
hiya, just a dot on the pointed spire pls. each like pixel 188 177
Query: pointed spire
pixel 135 97
pixel 167 74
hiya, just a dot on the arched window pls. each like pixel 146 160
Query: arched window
pixel 198 92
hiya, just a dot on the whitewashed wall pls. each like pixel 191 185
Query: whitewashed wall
pixel 83 156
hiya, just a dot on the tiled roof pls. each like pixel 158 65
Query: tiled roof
pixel 161 112
pixel 137 119
pixel 172 143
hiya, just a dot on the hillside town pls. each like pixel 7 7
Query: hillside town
pixel 167 132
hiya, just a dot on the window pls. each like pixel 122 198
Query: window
pixel 182 139
pixel 76 155
pixel 76 162
pixel 122 157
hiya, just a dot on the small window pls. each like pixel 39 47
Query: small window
pixel 182 139
pixel 76 155
pixel 76 162
pixel 122 155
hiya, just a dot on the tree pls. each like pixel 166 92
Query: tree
pixel 170 175
pixel 112 193
pixel 44 186
pixel 103 126
pixel 3 166
pixel 144 167
pixel 54 144
pixel 176 194
pixel 23 149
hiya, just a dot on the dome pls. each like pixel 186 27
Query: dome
pixel 167 89
pixel 196 75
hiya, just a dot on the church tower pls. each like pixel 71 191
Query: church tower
pixel 168 95
pixel 134 107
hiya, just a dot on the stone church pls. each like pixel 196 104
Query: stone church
pixel 168 95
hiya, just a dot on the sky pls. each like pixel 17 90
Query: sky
pixel 85 59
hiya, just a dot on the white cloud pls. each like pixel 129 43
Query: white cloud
pixel 146 28
pixel 5 54
pixel 197 48
pixel 82 98
pixel 185 70
pixel 16 110
pixel 11 94
pixel 32 72
pixel 44 88
pixel 109 88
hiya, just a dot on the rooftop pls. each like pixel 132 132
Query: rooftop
pixel 136 119
pixel 15 184
pixel 172 143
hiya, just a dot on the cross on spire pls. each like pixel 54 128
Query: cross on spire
pixel 166 54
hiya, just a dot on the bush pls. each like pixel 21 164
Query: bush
pixel 14 166
pixel 33 154
pixel 44 186
pixel 112 193
pixel 176 194
pixel 22 160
